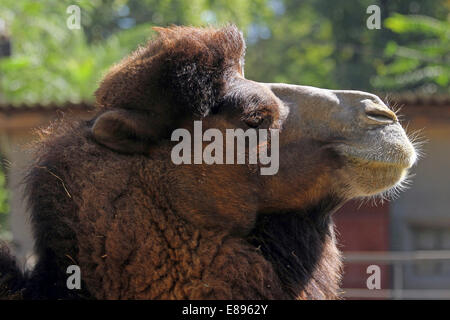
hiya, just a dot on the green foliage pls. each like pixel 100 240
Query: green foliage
pixel 314 42
pixel 51 63
pixel 4 206
pixel 326 43
pixel 422 65
pixel 297 48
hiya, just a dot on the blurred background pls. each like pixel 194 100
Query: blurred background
pixel 48 69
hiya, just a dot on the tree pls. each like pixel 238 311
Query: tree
pixel 52 63
pixel 422 65
pixel 327 44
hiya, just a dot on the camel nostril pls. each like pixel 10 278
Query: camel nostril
pixel 381 115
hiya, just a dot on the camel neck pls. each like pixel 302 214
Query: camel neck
pixel 301 247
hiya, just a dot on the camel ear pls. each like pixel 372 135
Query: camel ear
pixel 124 131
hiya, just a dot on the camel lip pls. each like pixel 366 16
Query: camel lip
pixel 404 159
pixel 403 165
pixel 386 145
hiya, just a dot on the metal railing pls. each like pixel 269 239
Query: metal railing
pixel 397 259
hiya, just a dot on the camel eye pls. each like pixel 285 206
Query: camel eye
pixel 254 121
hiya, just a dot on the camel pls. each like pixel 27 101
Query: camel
pixel 105 195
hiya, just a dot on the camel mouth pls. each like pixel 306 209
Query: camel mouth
pixel 385 146
pixel 380 160
pixel 403 159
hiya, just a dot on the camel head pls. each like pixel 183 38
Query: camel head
pixel 333 145
pixel 363 132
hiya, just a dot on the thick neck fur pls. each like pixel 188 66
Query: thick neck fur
pixel 110 215
pixel 301 247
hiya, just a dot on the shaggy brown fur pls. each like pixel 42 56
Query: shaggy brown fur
pixel 105 195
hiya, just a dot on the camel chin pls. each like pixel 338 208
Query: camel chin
pixel 380 160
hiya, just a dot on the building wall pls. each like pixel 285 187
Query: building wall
pixel 363 228
pixel 421 216
pixel 13 151
pixel 418 220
